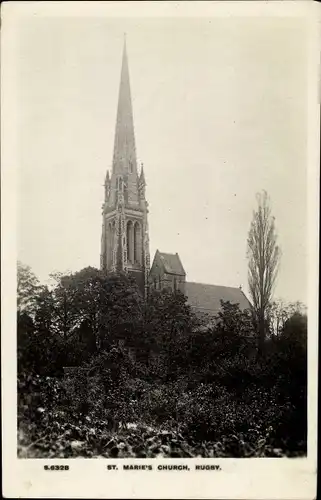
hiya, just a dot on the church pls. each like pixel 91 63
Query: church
pixel 125 235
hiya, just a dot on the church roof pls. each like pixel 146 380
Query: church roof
pixel 172 263
pixel 207 298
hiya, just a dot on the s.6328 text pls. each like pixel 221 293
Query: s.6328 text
pixel 56 467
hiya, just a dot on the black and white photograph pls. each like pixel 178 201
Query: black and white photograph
pixel 162 252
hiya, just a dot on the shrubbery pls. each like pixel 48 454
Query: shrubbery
pixel 145 378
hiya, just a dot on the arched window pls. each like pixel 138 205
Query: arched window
pixel 109 245
pixel 137 243
pixel 111 242
pixel 130 243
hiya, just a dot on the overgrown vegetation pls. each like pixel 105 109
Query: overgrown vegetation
pixel 149 379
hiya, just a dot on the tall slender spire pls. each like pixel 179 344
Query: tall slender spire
pixel 124 160
pixel 125 242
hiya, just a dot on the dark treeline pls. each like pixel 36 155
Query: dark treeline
pixel 182 387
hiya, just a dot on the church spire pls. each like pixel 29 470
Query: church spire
pixel 124 160
pixel 125 242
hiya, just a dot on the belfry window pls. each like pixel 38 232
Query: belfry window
pixel 130 242
pixel 109 245
pixel 137 243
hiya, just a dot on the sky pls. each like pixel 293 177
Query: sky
pixel 220 113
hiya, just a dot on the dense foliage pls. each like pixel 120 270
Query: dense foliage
pixel 103 372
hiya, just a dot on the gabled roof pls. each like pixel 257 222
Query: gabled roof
pixel 172 263
pixel 207 298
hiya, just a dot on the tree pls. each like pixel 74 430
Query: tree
pixel 65 318
pixel 44 312
pixel 280 311
pixel 25 334
pixel 289 365
pixel 214 354
pixel 28 288
pixel 295 330
pixel 121 309
pixel 168 323
pixel 232 320
pixel 264 256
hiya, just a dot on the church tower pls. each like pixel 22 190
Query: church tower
pixel 125 241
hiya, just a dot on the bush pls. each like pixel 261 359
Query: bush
pixel 152 364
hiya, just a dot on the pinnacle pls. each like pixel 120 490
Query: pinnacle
pixel 142 175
